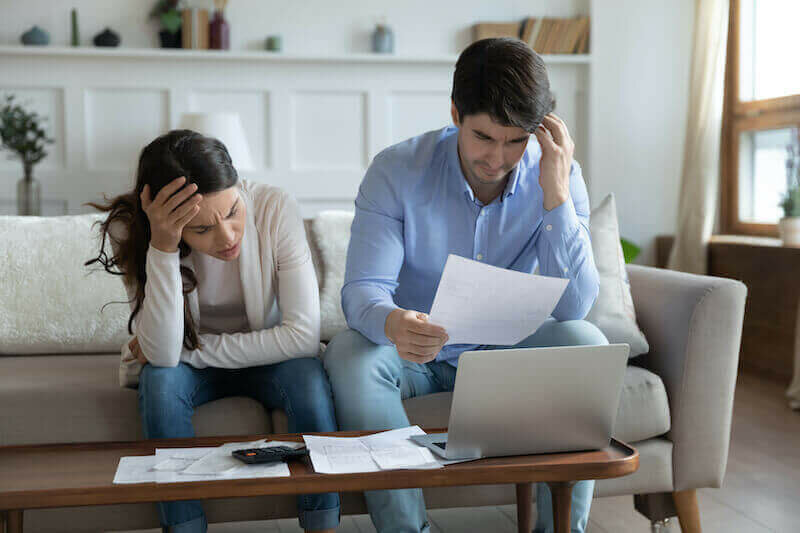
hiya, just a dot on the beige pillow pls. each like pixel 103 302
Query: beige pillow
pixel 613 311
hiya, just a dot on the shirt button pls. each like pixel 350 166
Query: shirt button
pixel 480 257
pixel 549 227
pixel 566 269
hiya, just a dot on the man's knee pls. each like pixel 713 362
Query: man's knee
pixel 350 357
pixel 576 333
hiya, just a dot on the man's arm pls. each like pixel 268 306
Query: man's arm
pixel 563 244
pixel 375 254
pixel 564 250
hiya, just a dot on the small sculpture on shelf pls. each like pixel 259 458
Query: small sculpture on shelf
pixel 21 133
pixel 35 36
pixel 169 16
pixel 383 39
pixel 75 37
pixel 274 43
pixel 106 38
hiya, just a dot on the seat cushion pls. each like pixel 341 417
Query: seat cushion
pixel 77 398
pixel 643 409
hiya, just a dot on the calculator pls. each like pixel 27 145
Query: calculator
pixel 268 455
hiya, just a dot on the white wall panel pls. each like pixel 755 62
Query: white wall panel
pixel 329 131
pixel 120 122
pixel 414 112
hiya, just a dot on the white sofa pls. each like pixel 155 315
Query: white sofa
pixel 59 383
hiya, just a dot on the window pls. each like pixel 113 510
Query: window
pixel 761 137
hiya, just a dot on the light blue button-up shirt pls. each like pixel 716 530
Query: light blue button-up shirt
pixel 414 208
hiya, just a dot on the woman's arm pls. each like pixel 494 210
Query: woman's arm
pixel 297 335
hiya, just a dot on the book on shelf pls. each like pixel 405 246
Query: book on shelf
pixel 485 30
pixel 548 35
pixel 195 29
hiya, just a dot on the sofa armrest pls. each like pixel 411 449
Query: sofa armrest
pixel 694 327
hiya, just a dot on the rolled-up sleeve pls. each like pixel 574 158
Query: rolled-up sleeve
pixel 564 250
pixel 375 254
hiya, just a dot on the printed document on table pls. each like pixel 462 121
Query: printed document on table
pixel 483 304
pixel 381 451
pixel 179 465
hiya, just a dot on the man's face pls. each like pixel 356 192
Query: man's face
pixel 488 150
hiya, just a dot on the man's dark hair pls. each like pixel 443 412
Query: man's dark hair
pixel 504 78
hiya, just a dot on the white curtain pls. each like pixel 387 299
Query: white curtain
pixel 700 171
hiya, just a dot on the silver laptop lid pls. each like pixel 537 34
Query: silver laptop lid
pixel 535 400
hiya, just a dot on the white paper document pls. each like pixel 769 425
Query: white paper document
pixel 179 465
pixel 483 304
pixel 387 450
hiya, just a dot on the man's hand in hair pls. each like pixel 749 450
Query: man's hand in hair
pixel 556 162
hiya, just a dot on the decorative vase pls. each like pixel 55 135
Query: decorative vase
pixel 383 39
pixel 171 40
pixel 29 195
pixel 106 38
pixel 274 43
pixel 76 36
pixel 219 32
pixel 789 229
pixel 35 36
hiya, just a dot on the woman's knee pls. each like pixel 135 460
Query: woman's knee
pixel 575 333
pixel 306 375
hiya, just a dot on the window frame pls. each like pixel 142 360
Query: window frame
pixel 739 117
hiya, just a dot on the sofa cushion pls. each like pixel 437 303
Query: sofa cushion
pixel 643 409
pixel 49 301
pixel 77 398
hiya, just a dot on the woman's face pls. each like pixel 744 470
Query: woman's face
pixel 218 227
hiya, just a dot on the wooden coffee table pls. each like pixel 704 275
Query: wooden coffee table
pixel 66 475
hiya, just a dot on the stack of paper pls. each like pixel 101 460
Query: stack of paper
pixel 179 465
pixel 388 450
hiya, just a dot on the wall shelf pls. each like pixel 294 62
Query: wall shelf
pixel 251 55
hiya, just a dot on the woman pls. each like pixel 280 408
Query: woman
pixel 224 301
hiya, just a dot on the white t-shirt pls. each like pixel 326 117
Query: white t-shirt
pixel 220 295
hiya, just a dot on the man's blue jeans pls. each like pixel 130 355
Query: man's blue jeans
pixel 168 397
pixel 369 383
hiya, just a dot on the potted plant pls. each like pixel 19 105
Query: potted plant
pixel 789 225
pixel 169 16
pixel 22 134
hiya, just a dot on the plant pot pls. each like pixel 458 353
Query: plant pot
pixel 171 40
pixel 789 229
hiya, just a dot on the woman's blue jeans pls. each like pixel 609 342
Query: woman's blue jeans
pixel 369 383
pixel 168 397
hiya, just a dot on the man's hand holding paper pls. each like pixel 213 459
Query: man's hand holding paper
pixel 483 304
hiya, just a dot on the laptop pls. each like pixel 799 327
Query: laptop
pixel 532 400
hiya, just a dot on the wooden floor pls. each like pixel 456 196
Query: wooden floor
pixel 761 491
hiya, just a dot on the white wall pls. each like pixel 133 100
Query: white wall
pixel 638 77
pixel 638 107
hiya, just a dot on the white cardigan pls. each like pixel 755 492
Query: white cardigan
pixel 280 292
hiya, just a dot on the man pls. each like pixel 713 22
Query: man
pixel 479 190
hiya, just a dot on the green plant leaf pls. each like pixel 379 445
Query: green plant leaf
pixel 629 250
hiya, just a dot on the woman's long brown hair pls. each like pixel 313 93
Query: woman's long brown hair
pixel 205 162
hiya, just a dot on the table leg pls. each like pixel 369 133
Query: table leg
pixel 561 493
pixel 524 502
pixel 14 521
